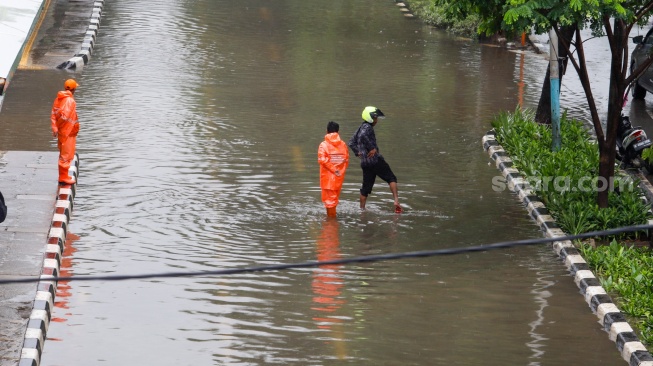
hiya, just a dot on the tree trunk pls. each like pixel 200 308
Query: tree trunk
pixel 543 113
pixel 607 147
pixel 606 171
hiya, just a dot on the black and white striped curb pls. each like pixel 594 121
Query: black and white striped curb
pixel 403 7
pixel 84 55
pixel 39 319
pixel 610 317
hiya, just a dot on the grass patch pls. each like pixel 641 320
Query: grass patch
pixel 435 15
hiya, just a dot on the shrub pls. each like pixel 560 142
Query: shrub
pixel 566 180
pixel 627 271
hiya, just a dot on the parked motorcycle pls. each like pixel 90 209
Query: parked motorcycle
pixel 630 143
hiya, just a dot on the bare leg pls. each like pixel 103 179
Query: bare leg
pixel 363 199
pixel 395 195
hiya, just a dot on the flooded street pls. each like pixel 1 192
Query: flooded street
pixel 200 123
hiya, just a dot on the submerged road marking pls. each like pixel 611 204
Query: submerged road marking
pixel 28 46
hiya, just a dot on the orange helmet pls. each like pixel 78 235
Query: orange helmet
pixel 70 84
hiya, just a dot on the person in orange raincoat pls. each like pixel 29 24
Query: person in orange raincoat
pixel 65 127
pixel 333 156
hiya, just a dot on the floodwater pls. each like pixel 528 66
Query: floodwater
pixel 200 127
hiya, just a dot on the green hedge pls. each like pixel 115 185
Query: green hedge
pixel 434 15
pixel 567 180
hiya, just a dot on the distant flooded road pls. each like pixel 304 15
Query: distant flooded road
pixel 198 148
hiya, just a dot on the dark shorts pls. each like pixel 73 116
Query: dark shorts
pixel 380 169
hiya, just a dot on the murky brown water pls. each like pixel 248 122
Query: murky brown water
pixel 200 126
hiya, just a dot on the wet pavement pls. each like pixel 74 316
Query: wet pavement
pixel 28 183
pixel 50 32
pixel 66 27
pixel 17 20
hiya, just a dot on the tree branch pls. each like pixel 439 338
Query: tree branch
pixel 585 82
pixel 642 11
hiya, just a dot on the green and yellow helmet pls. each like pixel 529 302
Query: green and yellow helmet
pixel 369 113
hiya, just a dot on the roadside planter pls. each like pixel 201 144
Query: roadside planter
pixel 559 191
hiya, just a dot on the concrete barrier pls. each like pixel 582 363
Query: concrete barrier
pixel 82 58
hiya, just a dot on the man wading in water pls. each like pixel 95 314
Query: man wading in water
pixel 363 144
pixel 333 157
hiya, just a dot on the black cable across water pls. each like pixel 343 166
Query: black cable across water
pixel 361 259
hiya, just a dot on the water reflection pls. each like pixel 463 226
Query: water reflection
pixel 64 290
pixel 327 287
pixel 66 269
pixel 541 293
pixel 520 84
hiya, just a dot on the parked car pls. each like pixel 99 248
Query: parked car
pixel 644 83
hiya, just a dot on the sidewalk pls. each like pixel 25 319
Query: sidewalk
pixel 17 21
pixel 36 207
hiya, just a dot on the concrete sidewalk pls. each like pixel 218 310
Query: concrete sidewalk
pixel 28 183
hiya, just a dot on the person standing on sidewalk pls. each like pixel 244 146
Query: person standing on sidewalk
pixel 333 157
pixel 65 127
pixel 363 144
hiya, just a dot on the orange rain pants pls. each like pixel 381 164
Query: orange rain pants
pixel 65 126
pixel 333 155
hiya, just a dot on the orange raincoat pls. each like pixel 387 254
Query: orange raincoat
pixel 65 125
pixel 333 154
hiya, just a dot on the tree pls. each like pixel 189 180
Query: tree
pixel 613 19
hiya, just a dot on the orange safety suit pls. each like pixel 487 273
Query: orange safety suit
pixel 333 154
pixel 65 126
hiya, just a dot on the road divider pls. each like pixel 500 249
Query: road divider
pixel 82 58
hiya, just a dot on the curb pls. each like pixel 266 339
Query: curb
pixel 405 9
pixel 79 60
pixel 39 319
pixel 610 317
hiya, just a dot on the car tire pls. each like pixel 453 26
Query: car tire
pixel 638 91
